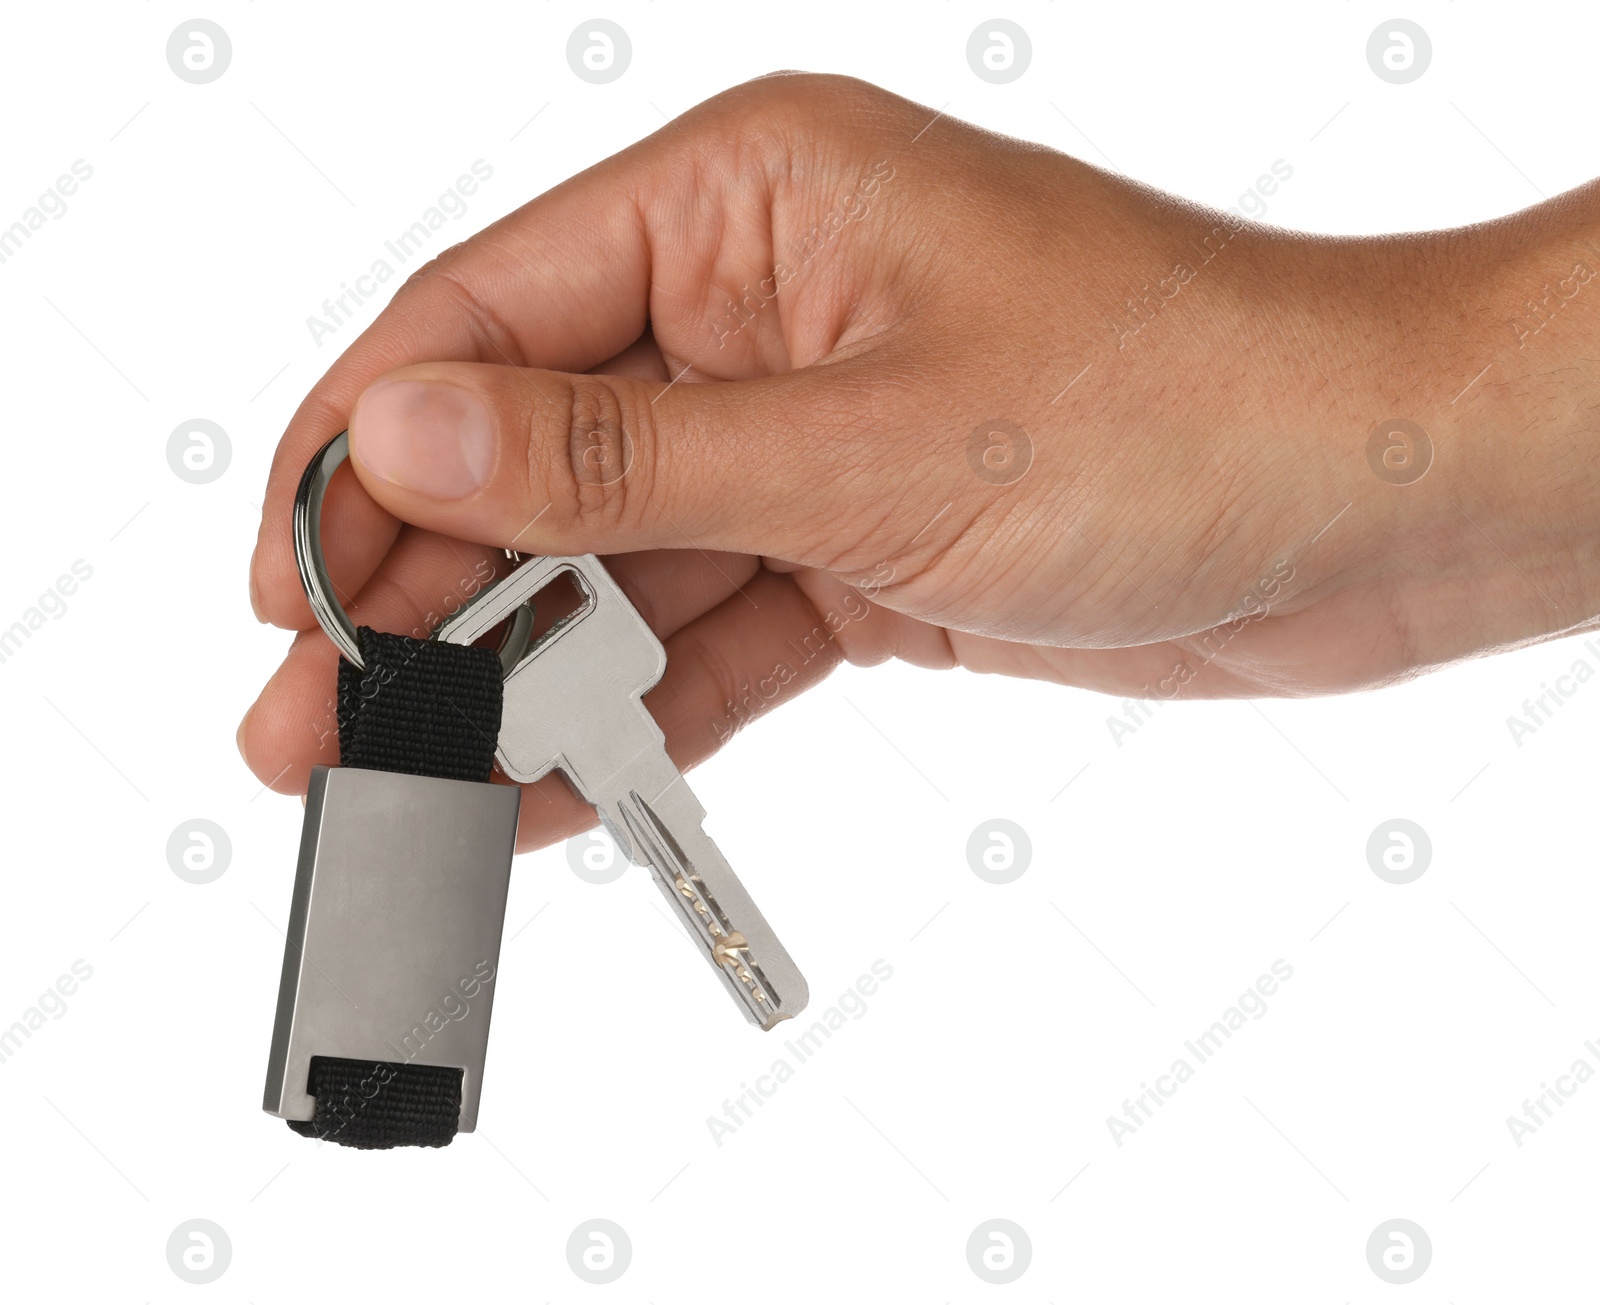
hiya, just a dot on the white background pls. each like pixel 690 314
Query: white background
pixel 1167 874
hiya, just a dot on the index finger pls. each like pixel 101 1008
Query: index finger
pixel 659 235
pixel 562 282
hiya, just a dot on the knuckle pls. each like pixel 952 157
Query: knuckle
pixel 599 434
pixel 722 688
pixel 780 115
pixel 419 277
pixel 484 323
pixel 800 93
pixel 443 287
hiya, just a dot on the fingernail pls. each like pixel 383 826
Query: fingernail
pixel 424 436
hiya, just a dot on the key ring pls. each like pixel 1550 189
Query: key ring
pixel 308 557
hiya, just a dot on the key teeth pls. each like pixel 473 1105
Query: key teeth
pixel 623 653
pixel 778 1009
pixel 724 946
pixel 728 946
pixel 792 1004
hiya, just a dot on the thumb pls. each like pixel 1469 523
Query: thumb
pixel 547 462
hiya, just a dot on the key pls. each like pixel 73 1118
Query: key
pixel 575 703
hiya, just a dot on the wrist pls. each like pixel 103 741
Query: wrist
pixel 1521 443
pixel 1471 448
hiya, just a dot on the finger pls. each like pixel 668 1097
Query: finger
pixel 805 466
pixel 684 231
pixel 1331 646
pixel 292 725
pixel 356 535
pixel 462 307
pixel 662 233
pixel 671 587
pixel 642 359
pixel 724 670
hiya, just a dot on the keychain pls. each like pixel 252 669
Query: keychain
pixel 393 943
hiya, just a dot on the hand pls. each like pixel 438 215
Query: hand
pixel 826 376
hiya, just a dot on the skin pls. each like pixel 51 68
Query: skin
pixel 950 435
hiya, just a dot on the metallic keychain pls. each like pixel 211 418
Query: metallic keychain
pixel 313 566
pixel 399 896
pixel 402 880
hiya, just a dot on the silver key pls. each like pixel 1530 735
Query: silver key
pixel 575 702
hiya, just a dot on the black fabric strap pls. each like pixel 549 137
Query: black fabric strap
pixel 374 1106
pixel 421 707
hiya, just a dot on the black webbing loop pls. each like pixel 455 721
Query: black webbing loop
pixel 421 707
pixel 374 1106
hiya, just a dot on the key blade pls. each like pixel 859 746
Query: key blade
pixel 574 702
pixel 666 833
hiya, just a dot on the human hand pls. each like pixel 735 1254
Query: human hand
pixel 825 375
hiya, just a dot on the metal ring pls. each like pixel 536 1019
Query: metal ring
pixel 308 557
